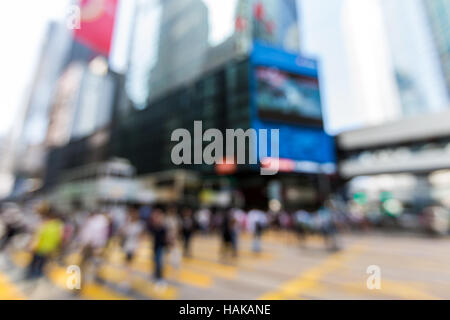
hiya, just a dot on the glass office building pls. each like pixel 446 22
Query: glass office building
pixel 231 64
pixel 438 13
pixel 175 41
pixel 415 60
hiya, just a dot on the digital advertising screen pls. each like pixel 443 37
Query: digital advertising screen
pixel 285 96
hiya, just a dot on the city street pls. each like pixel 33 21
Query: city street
pixel 412 267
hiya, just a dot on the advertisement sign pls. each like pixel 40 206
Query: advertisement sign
pixel 287 96
pixel 97 24
pixel 227 167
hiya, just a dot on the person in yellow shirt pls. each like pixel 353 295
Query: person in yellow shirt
pixel 46 242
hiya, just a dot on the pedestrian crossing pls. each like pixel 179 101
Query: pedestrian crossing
pixel 295 273
pixel 120 277
pixel 58 276
pixel 8 291
pixel 199 271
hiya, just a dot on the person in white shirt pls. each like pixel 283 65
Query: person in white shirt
pixel 131 232
pixel 257 221
pixel 93 236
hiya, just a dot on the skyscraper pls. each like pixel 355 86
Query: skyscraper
pixel 394 65
pixel 52 60
pixel 416 67
pixel 371 64
pixel 183 43
pixel 30 147
pixel 232 64
pixel 438 13
pixel 175 41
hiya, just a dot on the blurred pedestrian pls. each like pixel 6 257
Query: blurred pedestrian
pixel 68 236
pixel 285 222
pixel 187 229
pixel 13 224
pixel 328 227
pixel 257 222
pixel 302 221
pixel 241 219
pixel 118 215
pixel 46 242
pixel 131 232
pixel 94 236
pixel 160 242
pixel 229 241
pixel 172 224
pixel 203 218
pixel 239 223
pixel 145 212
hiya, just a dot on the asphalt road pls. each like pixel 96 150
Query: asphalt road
pixel 401 266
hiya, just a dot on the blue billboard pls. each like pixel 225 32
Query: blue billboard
pixel 285 95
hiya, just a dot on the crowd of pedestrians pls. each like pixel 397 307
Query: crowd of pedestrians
pixel 54 235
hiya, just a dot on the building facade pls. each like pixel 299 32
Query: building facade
pixel 408 159
pixel 415 57
pixel 438 13
pixel 240 71
pixel 395 55
pixel 231 65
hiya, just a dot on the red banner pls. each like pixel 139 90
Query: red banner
pixel 97 24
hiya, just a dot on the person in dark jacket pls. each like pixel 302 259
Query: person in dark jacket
pixel 159 232
pixel 187 229
pixel 229 241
